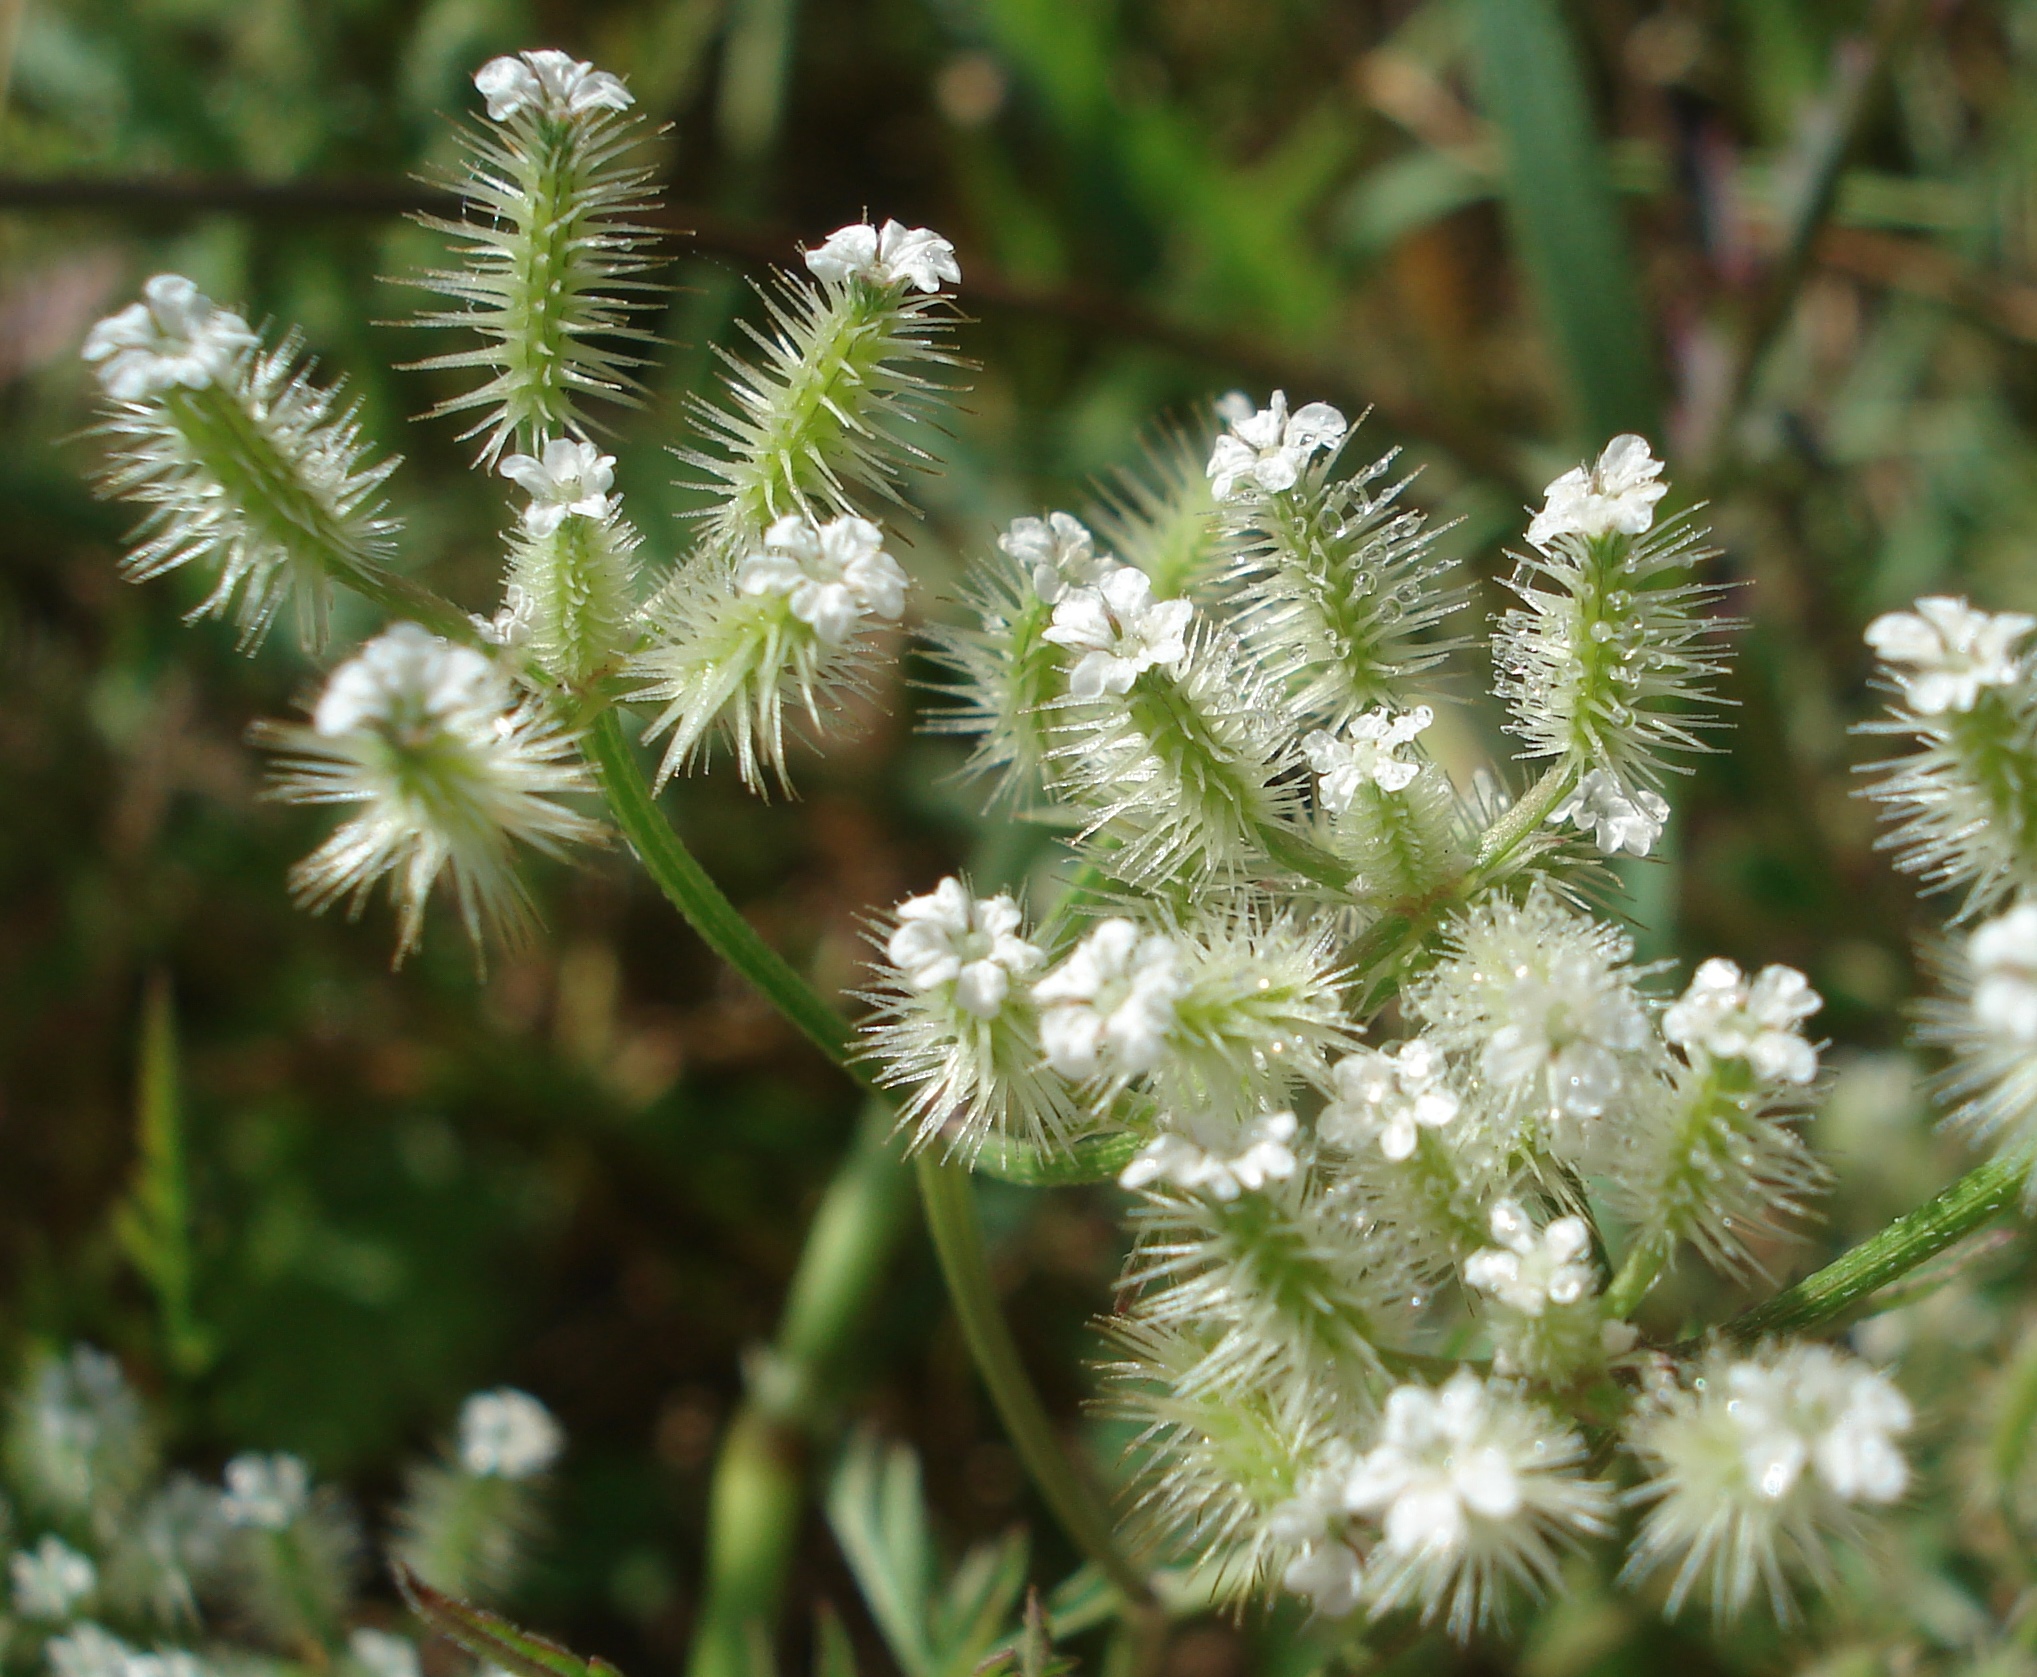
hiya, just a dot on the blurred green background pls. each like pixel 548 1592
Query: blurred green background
pixel 1793 241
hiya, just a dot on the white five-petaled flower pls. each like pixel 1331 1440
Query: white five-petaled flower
pixel 1813 1408
pixel 1365 754
pixel 554 84
pixel 1266 449
pixel 833 575
pixel 265 1493
pixel 1387 1096
pixel 2003 954
pixel 946 938
pixel 1181 1161
pixel 1529 1271
pixel 1434 1469
pixel 174 336
pixel 1120 630
pixel 1727 1016
pixel 507 1434
pixel 1618 817
pixel 570 479
pixel 1058 550
pixel 892 255
pixel 1618 493
pixel 51 1579
pixel 1110 1004
pixel 1949 651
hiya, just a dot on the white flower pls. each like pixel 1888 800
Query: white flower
pixel 88 1651
pixel 445 767
pixel 1619 818
pixel 571 479
pixel 265 1493
pixel 1529 1272
pixel 408 678
pixel 384 1655
pixel 1266 449
pixel 1388 1096
pixel 1120 630
pixel 1472 1486
pixel 1329 1574
pixel 51 1579
pixel 1365 754
pixel 1110 1004
pixel 1617 494
pixel 894 255
pixel 507 1434
pixel 554 84
pixel 1267 1156
pixel 1951 650
pixel 174 336
pixel 2003 954
pixel 834 574
pixel 945 938
pixel 1725 1016
pixel 1760 1464
pixel 1058 550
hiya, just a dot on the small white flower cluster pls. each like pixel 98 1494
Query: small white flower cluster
pixel 566 479
pixel 1726 1016
pixel 831 576
pixel 1945 654
pixel 1107 1009
pixel 1366 755
pixel 1620 818
pixel 1388 1098
pixel 549 84
pixel 1762 1458
pixel 1266 450
pixel 893 255
pixel 50 1580
pixel 175 337
pixel 1058 553
pixel 265 1493
pixel 1616 495
pixel 507 1434
pixel 968 945
pixel 1176 1159
pixel 1119 629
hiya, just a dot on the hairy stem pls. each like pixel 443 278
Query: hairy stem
pixel 944 1188
pixel 1974 1201
pixel 759 1472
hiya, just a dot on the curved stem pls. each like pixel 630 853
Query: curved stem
pixel 949 1198
pixel 1974 1201
pixel 944 1188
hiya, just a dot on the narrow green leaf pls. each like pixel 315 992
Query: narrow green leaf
pixel 489 1636
pixel 978 1603
pixel 153 1224
pixel 879 1519
pixel 1565 221
pixel 834 1655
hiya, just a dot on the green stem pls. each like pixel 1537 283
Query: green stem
pixel 950 1202
pixel 759 1471
pixel 951 1215
pixel 1974 1201
pixel 1640 1271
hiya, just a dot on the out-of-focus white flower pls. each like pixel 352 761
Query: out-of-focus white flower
pixel 1058 551
pixel 381 1654
pixel 553 84
pixel 1120 630
pixel 1618 493
pixel 51 1579
pixel 407 677
pixel 507 1434
pixel 1724 1015
pixel 1267 1156
pixel 1329 1574
pixel 892 255
pixel 1365 754
pixel 946 938
pixel 1473 1486
pixel 2003 954
pixel 1266 449
pixel 1618 817
pixel 1760 1463
pixel 174 336
pixel 1110 1004
pixel 165 1662
pixel 569 479
pixel 834 574
pixel 88 1651
pixel 1387 1096
pixel 1949 651
pixel 265 1493
pixel 1529 1271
